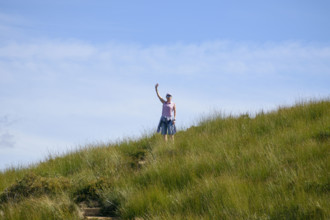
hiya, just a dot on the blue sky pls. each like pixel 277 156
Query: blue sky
pixel 153 22
pixel 79 72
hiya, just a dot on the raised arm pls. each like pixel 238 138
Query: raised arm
pixel 160 98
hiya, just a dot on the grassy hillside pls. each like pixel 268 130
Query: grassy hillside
pixel 271 166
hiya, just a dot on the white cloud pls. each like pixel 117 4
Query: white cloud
pixel 217 57
pixel 70 92
pixel 6 140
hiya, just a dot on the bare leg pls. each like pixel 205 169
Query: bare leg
pixel 165 137
pixel 172 138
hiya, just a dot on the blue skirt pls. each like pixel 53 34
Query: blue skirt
pixel 166 126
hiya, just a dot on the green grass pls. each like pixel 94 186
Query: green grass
pixel 271 166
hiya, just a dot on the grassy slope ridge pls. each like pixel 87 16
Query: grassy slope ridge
pixel 272 166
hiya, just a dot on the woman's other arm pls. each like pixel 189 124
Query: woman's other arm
pixel 174 109
pixel 160 98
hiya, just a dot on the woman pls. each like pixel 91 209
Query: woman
pixel 167 122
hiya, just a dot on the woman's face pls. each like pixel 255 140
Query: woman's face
pixel 169 98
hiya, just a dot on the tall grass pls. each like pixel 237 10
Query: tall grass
pixel 271 166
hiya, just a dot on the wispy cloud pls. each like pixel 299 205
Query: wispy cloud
pixel 71 90
pixel 218 58
pixel 6 120
pixel 6 140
